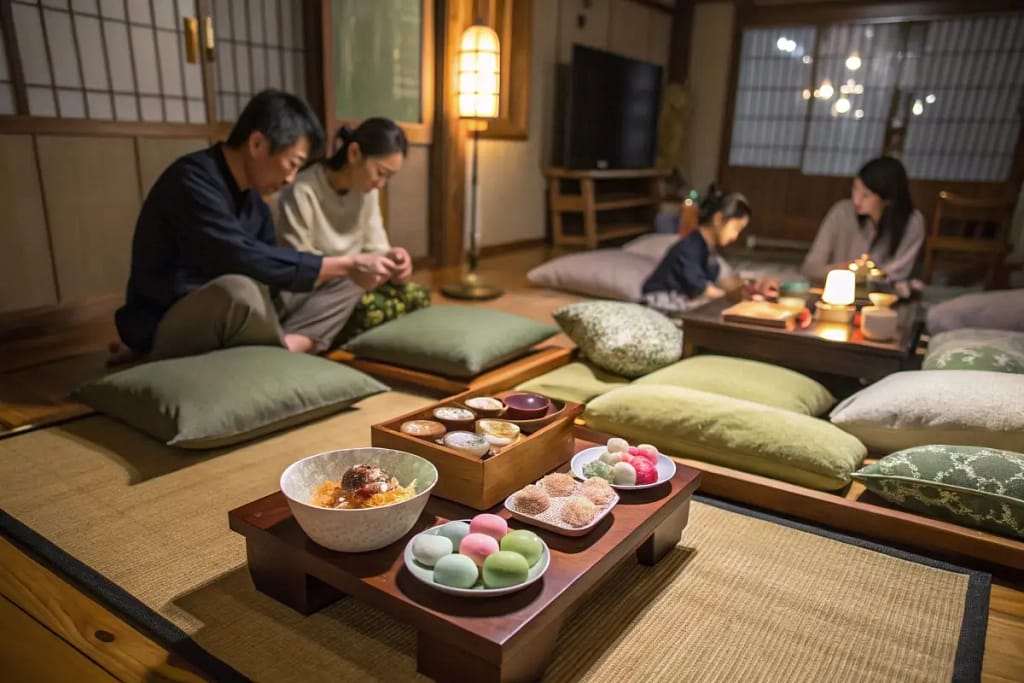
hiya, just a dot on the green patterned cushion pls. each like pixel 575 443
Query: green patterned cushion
pixel 976 349
pixel 455 341
pixel 625 339
pixel 750 380
pixel 976 487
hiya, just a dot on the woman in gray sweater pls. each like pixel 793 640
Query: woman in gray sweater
pixel 879 219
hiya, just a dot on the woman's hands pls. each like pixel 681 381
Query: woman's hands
pixel 369 271
pixel 403 265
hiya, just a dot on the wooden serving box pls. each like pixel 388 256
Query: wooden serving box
pixel 483 483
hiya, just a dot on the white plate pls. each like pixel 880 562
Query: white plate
pixel 426 574
pixel 666 467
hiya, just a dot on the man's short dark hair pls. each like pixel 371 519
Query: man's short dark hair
pixel 282 118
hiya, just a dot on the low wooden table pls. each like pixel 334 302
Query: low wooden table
pixel 830 348
pixel 510 638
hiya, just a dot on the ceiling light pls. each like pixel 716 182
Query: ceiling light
pixel 842 105
pixel 858 114
pixel 853 61
pixel 825 91
pixel 918 108
pixel 930 98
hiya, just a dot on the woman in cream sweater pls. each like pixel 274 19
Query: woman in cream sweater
pixel 333 208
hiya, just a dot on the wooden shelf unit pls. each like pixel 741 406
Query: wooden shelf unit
pixel 635 188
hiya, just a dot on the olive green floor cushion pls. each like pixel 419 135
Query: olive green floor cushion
pixel 729 431
pixel 750 380
pixel 981 488
pixel 223 397
pixel 578 381
pixel 455 341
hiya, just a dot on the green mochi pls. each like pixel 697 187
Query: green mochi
pixel 524 542
pixel 457 571
pixel 505 568
pixel 454 532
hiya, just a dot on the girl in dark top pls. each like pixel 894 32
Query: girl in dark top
pixel 689 270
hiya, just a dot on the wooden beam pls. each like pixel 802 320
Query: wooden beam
pixel 448 152
pixel 846 11
pixel 679 45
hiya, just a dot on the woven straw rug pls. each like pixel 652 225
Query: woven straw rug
pixel 741 599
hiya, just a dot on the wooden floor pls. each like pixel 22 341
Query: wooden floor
pixel 49 631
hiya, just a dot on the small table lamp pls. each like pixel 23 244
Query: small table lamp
pixel 836 303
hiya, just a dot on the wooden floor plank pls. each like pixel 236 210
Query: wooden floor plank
pixel 84 625
pixel 31 652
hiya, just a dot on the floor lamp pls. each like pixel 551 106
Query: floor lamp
pixel 478 97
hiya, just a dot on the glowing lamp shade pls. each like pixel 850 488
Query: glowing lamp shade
pixel 479 73
pixel 840 286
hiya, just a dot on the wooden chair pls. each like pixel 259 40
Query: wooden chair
pixel 963 225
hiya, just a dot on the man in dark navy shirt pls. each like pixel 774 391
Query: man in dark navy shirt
pixel 206 270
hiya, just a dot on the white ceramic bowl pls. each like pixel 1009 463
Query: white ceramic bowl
pixel 356 531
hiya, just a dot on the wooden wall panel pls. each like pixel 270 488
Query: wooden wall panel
pixel 26 268
pixel 156 154
pixel 408 203
pixel 91 190
pixel 629 28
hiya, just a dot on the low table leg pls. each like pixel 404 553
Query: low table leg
pixel 665 536
pixel 443 661
pixel 273 574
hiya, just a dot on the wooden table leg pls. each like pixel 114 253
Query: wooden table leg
pixel 443 661
pixel 275 575
pixel 665 536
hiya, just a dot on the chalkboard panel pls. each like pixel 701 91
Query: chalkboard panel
pixel 377 56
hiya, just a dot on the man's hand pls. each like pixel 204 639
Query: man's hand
pixel 369 271
pixel 403 265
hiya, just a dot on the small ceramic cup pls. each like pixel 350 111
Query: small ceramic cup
pixel 486 406
pixel 497 432
pixel 526 406
pixel 466 442
pixel 877 323
pixel 424 429
pixel 455 417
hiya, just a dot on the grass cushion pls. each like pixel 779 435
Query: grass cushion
pixel 921 407
pixel 227 396
pixel 455 341
pixel 751 380
pixel 976 349
pixel 981 488
pixel 578 382
pixel 729 431
pixel 625 339
pixel 600 273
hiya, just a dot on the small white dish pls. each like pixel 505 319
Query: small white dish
pixel 426 574
pixel 561 529
pixel 666 467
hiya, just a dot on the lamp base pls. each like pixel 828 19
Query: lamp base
pixel 471 287
pixel 834 313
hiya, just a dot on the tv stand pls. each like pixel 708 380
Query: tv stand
pixel 635 188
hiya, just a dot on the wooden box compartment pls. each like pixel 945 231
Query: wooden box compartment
pixel 483 483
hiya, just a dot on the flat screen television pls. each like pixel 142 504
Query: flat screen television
pixel 611 117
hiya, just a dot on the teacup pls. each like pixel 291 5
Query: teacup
pixel 455 417
pixel 878 323
pixel 486 406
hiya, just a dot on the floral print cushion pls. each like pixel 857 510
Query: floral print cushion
pixel 973 486
pixel 976 349
pixel 625 339
pixel 382 305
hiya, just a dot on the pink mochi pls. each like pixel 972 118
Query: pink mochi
pixel 477 547
pixel 492 525
pixel 646 472
pixel 649 452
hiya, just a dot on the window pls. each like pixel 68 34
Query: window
pixel 944 95
pixel 6 87
pixel 103 59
